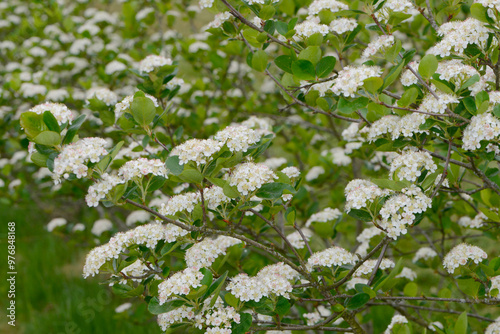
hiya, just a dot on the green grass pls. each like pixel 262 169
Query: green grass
pixel 52 297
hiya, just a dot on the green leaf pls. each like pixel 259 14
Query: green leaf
pixel 231 300
pixel 282 306
pixel 311 53
pixel 390 277
pixel 39 159
pixel 244 325
pixel 410 289
pixel 442 86
pixel 393 74
pixel 156 183
pixel 372 85
pixel 51 122
pixel 143 110
pixel 230 191
pixel 461 324
pixel 325 66
pixel 409 97
pixel 290 215
pixel 259 60
pixel 73 129
pixel 315 39
pixel 284 63
pixel 155 308
pixel 215 288
pixel 173 165
pixel 360 215
pixel 274 190
pixel 32 123
pixel 191 175
pixel 267 12
pixel 479 12
pixel 428 66
pixel 391 184
pixel 303 69
pixel 348 107
pixel 48 138
pixel 358 301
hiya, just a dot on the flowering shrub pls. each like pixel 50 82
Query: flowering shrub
pixel 289 166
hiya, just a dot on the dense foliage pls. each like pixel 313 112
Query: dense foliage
pixel 267 165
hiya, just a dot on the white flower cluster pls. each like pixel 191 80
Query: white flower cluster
pixel 314 173
pixel 101 188
pixel 489 3
pixel 219 19
pixel 124 105
pixel 319 314
pixel 74 157
pixel 455 71
pixel 494 327
pixel 182 202
pixel 399 211
pixel 351 78
pixel 331 5
pixel 237 138
pixel 147 235
pixel 100 226
pixel 324 216
pixel 291 172
pixel 380 44
pixel 432 105
pixel 139 216
pixel 397 319
pixel 407 273
pixel 477 222
pixel 310 27
pixel 368 266
pixel 142 167
pixel 334 256
pixel 262 125
pixel 408 78
pixel 56 222
pixel 482 127
pixel 461 254
pixel 102 94
pixel 179 283
pixel 217 319
pixel 152 62
pixel 402 6
pixel 206 3
pixel 60 111
pixel 204 253
pixel 457 35
pixel 410 164
pixel 296 239
pixel 364 239
pixel 273 279
pixel 214 196
pixel 250 176
pixel 342 25
pixel 425 253
pixel 197 150
pixel 338 155
pixel 386 124
pixel 358 192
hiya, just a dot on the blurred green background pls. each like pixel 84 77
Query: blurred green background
pixel 52 296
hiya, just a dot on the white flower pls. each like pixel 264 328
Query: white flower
pixel 461 254
pixel 314 173
pixel 237 138
pixel 351 78
pixel 56 222
pixel 342 25
pixel 310 27
pixel 424 253
pixel 334 256
pixel 380 44
pixel 358 192
pixel 102 94
pixel 410 165
pixel 250 176
pixel 397 319
pixel 407 273
pixel 114 66
pixel 60 112
pixel 152 62
pixel 123 307
pixel 368 266
pixel 324 216
pixel 351 284
pixel 197 150
pixel 100 226
pixel 482 127
pixel 296 239
pixel 139 216
pixel 204 253
pixel 179 283
pixel 473 223
pixel 331 5
pixel 184 202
